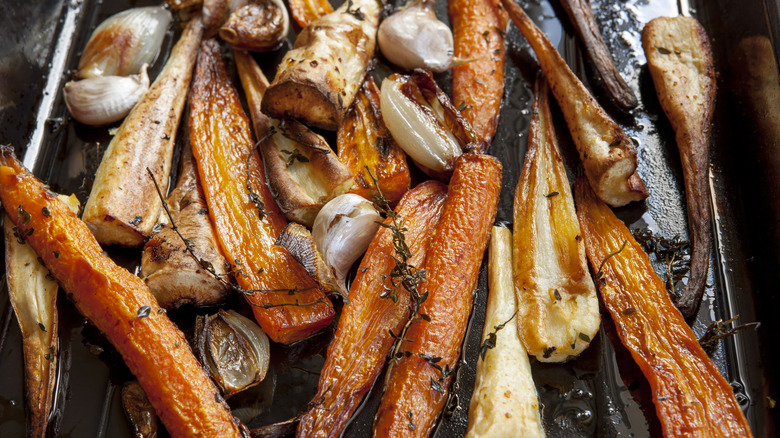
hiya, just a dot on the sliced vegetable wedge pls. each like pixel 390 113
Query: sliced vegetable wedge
pixel 690 396
pixel 286 302
pixel 556 298
pixel 33 294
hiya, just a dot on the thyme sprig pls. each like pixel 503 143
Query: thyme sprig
pixel 492 337
pixel 600 272
pixel 674 254
pixel 717 330
pixel 403 274
pixel 209 267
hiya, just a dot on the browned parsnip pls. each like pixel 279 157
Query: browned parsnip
pixel 608 154
pixel 581 16
pixel 318 79
pixel 557 304
pixel 123 206
pixel 680 61
pixel 170 271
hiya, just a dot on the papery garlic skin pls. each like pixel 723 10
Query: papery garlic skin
pixel 419 133
pixel 342 231
pixel 124 42
pixel 102 100
pixel 414 38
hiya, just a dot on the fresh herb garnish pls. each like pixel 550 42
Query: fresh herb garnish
pixel 490 341
pixel 600 272
pixel 674 254
pixel 717 330
pixel 143 312
pixel 551 194
pixel 293 156
pixel 45 211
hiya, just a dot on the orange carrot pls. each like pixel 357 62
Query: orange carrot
pixel 478 29
pixel 419 380
pixel 287 303
pixel 363 340
pixel 691 397
pixel 367 149
pixel 306 11
pixel 119 304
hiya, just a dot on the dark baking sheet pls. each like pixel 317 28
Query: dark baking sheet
pixel 602 393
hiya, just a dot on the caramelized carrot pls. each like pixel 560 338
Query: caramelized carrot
pixel 363 340
pixel 419 381
pixel 306 11
pixel 286 302
pixel 477 87
pixel 365 145
pixel 691 397
pixel 119 304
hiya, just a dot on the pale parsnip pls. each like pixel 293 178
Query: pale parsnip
pixel 557 301
pixel 504 402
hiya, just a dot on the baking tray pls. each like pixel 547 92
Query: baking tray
pixel 602 393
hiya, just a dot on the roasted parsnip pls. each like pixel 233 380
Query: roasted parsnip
pixel 680 61
pixel 367 320
pixel 369 151
pixel 557 304
pixel 169 269
pixel 287 304
pixel 581 16
pixel 477 86
pixel 123 207
pixel 33 295
pixel 119 304
pixel 306 11
pixel 607 153
pixel 303 172
pixel 420 375
pixel 691 397
pixel 504 402
pixel 317 80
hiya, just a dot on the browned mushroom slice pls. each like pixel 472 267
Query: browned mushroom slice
pixel 259 26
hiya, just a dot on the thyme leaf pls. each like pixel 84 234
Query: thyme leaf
pixel 717 330
pixel 490 341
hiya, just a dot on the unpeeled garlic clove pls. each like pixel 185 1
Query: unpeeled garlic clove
pixel 414 38
pixel 423 121
pixel 342 231
pixel 106 99
pixel 124 42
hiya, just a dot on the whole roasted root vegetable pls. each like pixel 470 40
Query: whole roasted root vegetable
pixel 691 397
pixel 607 153
pixel 119 304
pixel 368 317
pixel 421 372
pixel 680 61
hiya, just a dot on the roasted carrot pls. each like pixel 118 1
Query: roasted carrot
pixel 477 87
pixel 691 397
pixel 419 380
pixel 306 11
pixel 286 302
pixel 119 304
pixel 363 340
pixel 367 149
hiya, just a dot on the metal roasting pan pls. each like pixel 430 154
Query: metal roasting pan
pixel 602 393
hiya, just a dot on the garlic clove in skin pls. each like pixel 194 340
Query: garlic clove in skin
pixel 102 100
pixel 124 42
pixel 342 231
pixel 414 38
